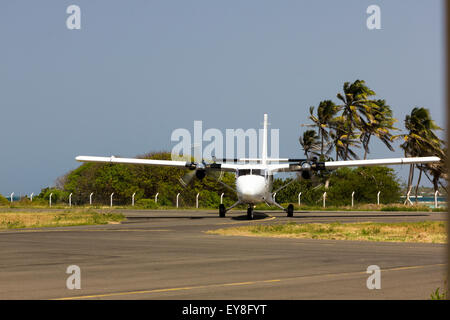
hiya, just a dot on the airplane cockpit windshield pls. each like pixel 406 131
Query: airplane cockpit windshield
pixel 257 172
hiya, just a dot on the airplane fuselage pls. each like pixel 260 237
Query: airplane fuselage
pixel 254 188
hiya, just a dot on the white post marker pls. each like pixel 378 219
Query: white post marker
pixel 31 196
pixel 12 197
pixel 435 199
pixel 274 196
pixel 111 204
pixel 50 199
pixel 70 200
pixel 156 197
pixel 299 198
pixel 324 198
pixel 407 198
pixel 353 194
pixel 196 200
pixel 90 198
pixel 221 198
pixel 132 199
pixel 378 197
pixel 178 195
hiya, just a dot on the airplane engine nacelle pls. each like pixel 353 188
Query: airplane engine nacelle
pixel 306 170
pixel 306 175
pixel 200 173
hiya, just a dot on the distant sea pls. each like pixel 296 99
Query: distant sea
pixel 15 197
pixel 428 200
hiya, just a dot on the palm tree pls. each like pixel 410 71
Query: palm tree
pixel 310 142
pixel 342 138
pixel 438 170
pixel 420 140
pixel 357 109
pixel 326 111
pixel 380 126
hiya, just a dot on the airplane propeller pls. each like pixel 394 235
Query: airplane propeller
pixel 187 178
pixel 201 173
pixel 308 171
pixel 200 170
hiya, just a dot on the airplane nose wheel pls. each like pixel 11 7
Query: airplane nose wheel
pixel 250 213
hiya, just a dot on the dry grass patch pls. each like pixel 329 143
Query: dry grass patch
pixel 427 232
pixel 15 220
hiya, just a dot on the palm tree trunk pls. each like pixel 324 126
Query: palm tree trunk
pixel 418 182
pixel 366 147
pixel 321 148
pixel 410 180
pixel 435 183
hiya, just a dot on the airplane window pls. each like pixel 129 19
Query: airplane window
pixel 244 172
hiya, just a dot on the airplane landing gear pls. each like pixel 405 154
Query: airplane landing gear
pixel 290 210
pixel 250 212
pixel 223 210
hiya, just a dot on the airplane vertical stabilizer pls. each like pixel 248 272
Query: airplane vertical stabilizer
pixel 264 146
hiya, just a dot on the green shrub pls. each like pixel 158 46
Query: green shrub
pixel 438 295
pixel 3 201
pixel 24 202
pixel 146 204
pixel 58 196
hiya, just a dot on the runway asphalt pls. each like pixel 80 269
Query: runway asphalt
pixel 168 255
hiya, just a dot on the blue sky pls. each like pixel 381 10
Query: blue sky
pixel 137 70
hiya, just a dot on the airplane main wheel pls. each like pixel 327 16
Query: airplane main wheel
pixel 250 213
pixel 222 211
pixel 290 210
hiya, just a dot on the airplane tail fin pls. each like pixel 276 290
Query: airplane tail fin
pixel 264 146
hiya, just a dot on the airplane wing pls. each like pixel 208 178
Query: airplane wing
pixel 151 162
pixel 167 163
pixel 378 162
pixel 299 166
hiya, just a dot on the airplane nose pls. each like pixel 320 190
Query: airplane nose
pixel 250 186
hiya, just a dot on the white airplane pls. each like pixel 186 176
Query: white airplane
pixel 254 176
